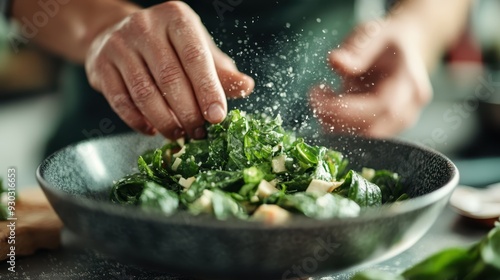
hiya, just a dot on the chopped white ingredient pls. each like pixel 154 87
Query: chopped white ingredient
pixel 254 199
pixel 368 173
pixel 186 183
pixel 271 214
pixel 181 141
pixel 181 152
pixel 265 189
pixel 176 164
pixel 322 186
pixel 274 182
pixel 278 164
pixel 204 203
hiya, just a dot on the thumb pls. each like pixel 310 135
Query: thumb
pixel 234 83
pixel 358 52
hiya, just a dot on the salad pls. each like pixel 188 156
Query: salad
pixel 250 167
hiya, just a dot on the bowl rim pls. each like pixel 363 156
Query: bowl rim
pixel 208 221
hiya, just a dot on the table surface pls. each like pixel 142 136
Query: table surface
pixel 74 262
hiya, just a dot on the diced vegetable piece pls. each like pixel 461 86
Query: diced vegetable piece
pixel 186 183
pixel 321 186
pixel 265 189
pixel 271 214
pixel 203 204
pixel 278 164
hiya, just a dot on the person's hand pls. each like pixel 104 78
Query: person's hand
pixel 160 71
pixel 385 81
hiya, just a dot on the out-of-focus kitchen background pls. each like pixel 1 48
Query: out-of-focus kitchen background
pixel 463 120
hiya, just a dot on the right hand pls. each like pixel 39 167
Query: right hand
pixel 160 71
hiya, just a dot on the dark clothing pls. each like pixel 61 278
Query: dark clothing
pixel 282 44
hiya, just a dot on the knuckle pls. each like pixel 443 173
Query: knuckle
pixel 115 40
pixel 141 89
pixel 178 8
pixel 208 84
pixel 141 22
pixel 193 53
pixel 169 74
pixel 120 103
pixel 192 118
pixel 95 70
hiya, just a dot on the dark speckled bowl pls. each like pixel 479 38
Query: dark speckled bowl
pixel 78 178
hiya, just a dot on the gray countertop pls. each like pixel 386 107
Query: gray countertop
pixel 74 262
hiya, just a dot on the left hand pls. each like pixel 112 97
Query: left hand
pixel 385 81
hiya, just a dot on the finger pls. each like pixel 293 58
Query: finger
pixel 174 86
pixel 401 111
pixel 198 63
pixel 345 113
pixel 147 97
pixel 235 83
pixel 381 114
pixel 116 93
pixel 358 52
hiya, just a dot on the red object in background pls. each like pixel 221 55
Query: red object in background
pixel 466 49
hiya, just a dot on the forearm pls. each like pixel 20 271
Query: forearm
pixel 438 24
pixel 71 25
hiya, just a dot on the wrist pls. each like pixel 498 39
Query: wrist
pixel 112 14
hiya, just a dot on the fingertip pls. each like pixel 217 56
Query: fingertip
pixel 215 113
pixel 237 84
pixel 342 60
pixel 145 128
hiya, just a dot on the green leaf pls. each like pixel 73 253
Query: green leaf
pixel 128 189
pixel 447 264
pixel 144 168
pixel 194 156
pixel 360 190
pixel 157 198
pixel 228 180
pixel 236 143
pixel 490 249
pixel 224 206
pixel 389 184
pixel 321 206
pixel 376 275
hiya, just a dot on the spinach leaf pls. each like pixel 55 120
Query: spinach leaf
pixel 224 206
pixel 447 264
pixel 192 157
pixel 336 163
pixel 156 198
pixel 374 274
pixel 128 189
pixel 389 184
pixel 480 261
pixel 320 206
pixel 360 190
pixel 228 180
pixel 236 142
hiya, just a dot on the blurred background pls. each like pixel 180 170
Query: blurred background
pixel 463 120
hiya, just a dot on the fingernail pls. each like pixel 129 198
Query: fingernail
pixel 178 133
pixel 199 133
pixel 150 130
pixel 215 113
